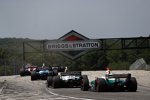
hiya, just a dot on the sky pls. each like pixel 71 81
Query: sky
pixel 95 19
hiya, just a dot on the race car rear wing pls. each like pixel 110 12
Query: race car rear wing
pixel 118 75
pixel 70 73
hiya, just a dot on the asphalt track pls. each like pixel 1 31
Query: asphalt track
pixel 22 88
pixel 143 93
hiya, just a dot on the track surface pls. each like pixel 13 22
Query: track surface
pixel 21 88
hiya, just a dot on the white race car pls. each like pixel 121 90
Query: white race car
pixel 65 79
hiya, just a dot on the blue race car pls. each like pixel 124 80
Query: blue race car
pixel 43 73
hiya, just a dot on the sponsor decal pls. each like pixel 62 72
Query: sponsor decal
pixel 82 45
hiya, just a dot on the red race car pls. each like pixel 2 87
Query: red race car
pixel 26 70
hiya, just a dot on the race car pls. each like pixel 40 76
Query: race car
pixel 65 79
pixel 26 70
pixel 110 82
pixel 43 73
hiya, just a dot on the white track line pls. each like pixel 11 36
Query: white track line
pixel 4 86
pixel 70 97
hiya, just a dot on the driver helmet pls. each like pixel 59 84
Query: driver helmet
pixel 107 71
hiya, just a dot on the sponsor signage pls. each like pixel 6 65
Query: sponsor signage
pixel 77 45
pixel 72 45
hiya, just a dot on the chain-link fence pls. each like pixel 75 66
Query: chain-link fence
pixel 10 67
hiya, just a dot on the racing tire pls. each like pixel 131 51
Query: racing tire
pixel 56 82
pixel 50 73
pixel 55 72
pixel 132 84
pixel 101 85
pixel 49 81
pixel 84 83
pixel 34 76
pixel 22 72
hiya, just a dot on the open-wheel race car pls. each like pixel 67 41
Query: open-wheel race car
pixel 43 73
pixel 65 79
pixel 110 82
pixel 26 70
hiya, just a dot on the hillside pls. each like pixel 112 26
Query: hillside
pixel 11 58
pixel 12 44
